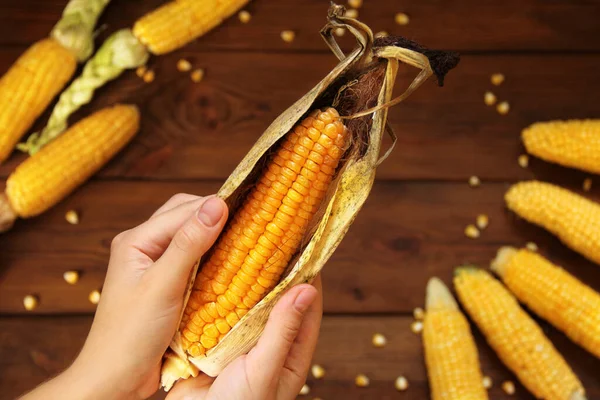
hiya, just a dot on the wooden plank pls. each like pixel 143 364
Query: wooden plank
pixel 463 25
pixel 34 349
pixel 202 131
pixel 406 233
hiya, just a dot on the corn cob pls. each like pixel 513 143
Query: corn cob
pixel 46 178
pixel 450 351
pixel 573 218
pixel 574 143
pixel 515 337
pixel 253 252
pixel 553 294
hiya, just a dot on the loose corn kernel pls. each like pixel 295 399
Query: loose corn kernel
pixel 416 327
pixel 140 71
pixel 94 297
pixel 149 76
pixel 381 34
pixel 379 340
pixel 355 3
pixel 503 108
pixel 197 75
pixel 523 161
pixel 482 221
pixel 531 246
pixel 288 36
pixel 317 371
pixel 351 13
pixel 244 16
pixel 340 32
pixel 474 181
pixel 361 380
pixel 489 98
pixel 304 390
pixel 72 217
pixel 30 302
pixel 402 19
pixel 418 313
pixel 71 277
pixel 184 65
pixel 508 387
pixel 472 232
pixel 497 79
pixel 401 384
pixel 587 184
pixel 487 382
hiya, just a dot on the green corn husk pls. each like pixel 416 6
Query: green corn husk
pixel 346 194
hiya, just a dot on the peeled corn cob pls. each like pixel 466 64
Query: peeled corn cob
pixel 47 177
pixel 450 351
pixel 253 252
pixel 573 218
pixel 574 143
pixel 179 22
pixel 519 342
pixel 553 294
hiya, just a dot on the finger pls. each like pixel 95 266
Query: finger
pixel 192 388
pixel 189 244
pixel 267 359
pixel 175 201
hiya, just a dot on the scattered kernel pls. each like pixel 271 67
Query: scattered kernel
pixel 288 36
pixel 351 13
pixel 184 65
pixel 531 246
pixel 72 217
pixel 587 184
pixel 361 380
pixel 317 371
pixel 381 34
pixel 418 313
pixel 149 76
pixel 489 98
pixel 94 297
pixel 355 3
pixel 197 75
pixel 244 16
pixel 304 390
pixel 340 31
pixel 140 71
pixel 508 387
pixel 379 340
pixel 71 277
pixel 482 221
pixel 416 327
pixel 474 181
pixel 497 79
pixel 523 160
pixel 401 383
pixel 30 302
pixel 487 382
pixel 472 232
pixel 402 19
pixel 503 108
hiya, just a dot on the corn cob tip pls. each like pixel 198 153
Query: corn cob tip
pixel 8 216
pixel 465 269
pixel 438 296
pixel 503 256
pixel 578 395
pixel 174 368
pixel 516 191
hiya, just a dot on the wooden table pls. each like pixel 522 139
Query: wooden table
pixel 411 228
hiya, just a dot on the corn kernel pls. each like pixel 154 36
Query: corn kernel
pixel 503 108
pixel 184 65
pixel 149 76
pixel 379 340
pixel 340 32
pixel 94 297
pixel 140 71
pixel 381 34
pixel 304 390
pixel 523 160
pixel 361 380
pixel 30 302
pixel 487 382
pixel 482 221
pixel 418 313
pixel 587 184
pixel 489 98
pixel 508 387
pixel 416 327
pixel 474 181
pixel 497 79
pixel 402 19
pixel 317 371
pixel 472 232
pixel 288 36
pixel 355 3
pixel 197 75
pixel 351 13
pixel 244 16
pixel 531 246
pixel 71 277
pixel 72 217
pixel 401 384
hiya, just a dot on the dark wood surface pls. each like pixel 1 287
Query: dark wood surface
pixel 412 226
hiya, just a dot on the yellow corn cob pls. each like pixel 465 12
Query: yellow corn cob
pixel 179 22
pixel 515 337
pixel 254 250
pixel 29 86
pixel 450 351
pixel 573 218
pixel 574 143
pixel 553 294
pixel 47 177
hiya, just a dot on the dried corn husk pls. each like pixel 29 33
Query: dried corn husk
pixel 346 195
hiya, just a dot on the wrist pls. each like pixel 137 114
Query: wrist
pixel 90 383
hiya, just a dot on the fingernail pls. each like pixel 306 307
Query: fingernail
pixel 304 300
pixel 211 211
